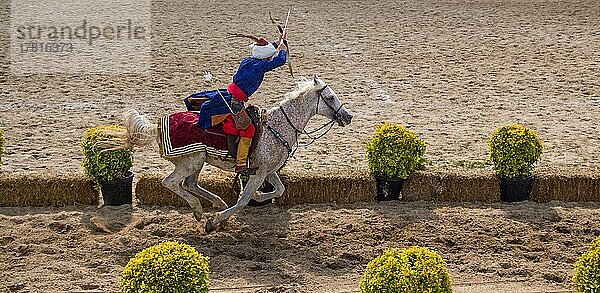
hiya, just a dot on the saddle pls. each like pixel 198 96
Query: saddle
pixel 256 115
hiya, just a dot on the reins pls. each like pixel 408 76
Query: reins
pixel 298 132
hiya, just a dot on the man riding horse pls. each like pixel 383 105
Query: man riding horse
pixel 224 104
pixel 189 147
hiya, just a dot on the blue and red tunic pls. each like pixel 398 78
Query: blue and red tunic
pixel 246 81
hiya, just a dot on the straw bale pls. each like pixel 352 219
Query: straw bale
pixel 302 187
pixel 46 189
pixel 312 187
pixel 150 191
pixel 566 184
pixel 452 185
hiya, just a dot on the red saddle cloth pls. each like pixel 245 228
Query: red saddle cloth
pixel 184 131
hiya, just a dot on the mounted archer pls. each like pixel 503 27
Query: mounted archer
pixel 188 147
pixel 227 106
pixel 221 112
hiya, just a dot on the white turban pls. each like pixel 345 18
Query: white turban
pixel 263 52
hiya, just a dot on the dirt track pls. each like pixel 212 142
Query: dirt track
pixel 453 71
pixel 317 248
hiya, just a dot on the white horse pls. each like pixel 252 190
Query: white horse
pixel 284 125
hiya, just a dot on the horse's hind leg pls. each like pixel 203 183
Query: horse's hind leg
pixel 254 182
pixel 183 168
pixel 274 179
pixel 191 184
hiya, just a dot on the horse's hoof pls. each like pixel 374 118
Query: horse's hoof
pixel 209 227
pixel 197 215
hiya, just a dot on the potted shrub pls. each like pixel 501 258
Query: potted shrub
pixel 416 269
pixel 393 153
pixel 107 158
pixel 2 144
pixel 514 150
pixel 166 267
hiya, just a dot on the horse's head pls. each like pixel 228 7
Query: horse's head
pixel 329 105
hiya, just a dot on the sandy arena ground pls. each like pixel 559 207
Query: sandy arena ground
pixel 454 71
pixel 451 70
pixel 316 248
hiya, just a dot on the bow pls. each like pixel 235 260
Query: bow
pixel 283 32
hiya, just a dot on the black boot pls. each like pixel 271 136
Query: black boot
pixel 232 145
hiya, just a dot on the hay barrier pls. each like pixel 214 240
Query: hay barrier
pixel 301 188
pixel 574 185
pixel 149 189
pixel 448 185
pixel 310 187
pixel 561 184
pixel 42 190
pixel 454 185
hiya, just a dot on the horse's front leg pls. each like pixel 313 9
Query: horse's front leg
pixel 254 182
pixel 274 179
pixel 191 184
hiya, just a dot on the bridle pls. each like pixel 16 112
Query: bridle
pixel 336 112
pixel 336 117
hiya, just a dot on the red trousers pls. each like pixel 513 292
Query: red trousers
pixel 229 128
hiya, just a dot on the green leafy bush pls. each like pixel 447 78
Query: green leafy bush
pixel 514 150
pixel 2 144
pixel 106 153
pixel 394 151
pixel 166 267
pixel 595 244
pixel 416 269
pixel 587 270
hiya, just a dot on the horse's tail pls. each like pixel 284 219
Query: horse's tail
pixel 140 132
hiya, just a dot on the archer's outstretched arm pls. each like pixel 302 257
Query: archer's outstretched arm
pixel 277 61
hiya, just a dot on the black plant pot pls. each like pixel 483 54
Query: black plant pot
pixel 118 192
pixel 387 188
pixel 515 189
pixel 265 187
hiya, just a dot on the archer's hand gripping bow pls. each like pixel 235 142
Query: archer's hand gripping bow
pixel 283 32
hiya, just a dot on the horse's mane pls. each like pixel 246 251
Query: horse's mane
pixel 302 87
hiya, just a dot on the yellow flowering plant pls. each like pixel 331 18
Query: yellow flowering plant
pixel 416 269
pixel 394 151
pixel 514 150
pixel 587 270
pixel 169 267
pixel 106 153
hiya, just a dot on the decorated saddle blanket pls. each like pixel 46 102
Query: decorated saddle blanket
pixel 180 135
